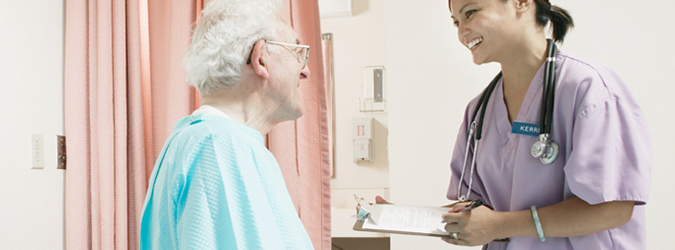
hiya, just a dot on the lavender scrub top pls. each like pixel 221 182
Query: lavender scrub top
pixel 605 154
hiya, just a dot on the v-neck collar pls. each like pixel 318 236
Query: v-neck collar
pixel 504 127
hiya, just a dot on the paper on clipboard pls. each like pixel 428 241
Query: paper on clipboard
pixel 417 220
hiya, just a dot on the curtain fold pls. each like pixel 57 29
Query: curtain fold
pixel 170 25
pixel 301 146
pixel 327 105
pixel 137 160
pixel 76 110
pixel 102 125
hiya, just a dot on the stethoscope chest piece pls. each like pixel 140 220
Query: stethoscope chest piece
pixel 545 149
pixel 538 147
pixel 551 153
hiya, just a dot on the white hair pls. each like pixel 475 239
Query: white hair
pixel 223 40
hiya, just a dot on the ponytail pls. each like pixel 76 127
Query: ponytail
pixel 561 20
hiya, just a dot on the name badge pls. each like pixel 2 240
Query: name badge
pixel 522 128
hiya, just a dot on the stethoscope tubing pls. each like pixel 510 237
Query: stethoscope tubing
pixel 546 117
pixel 548 94
pixel 473 161
pixel 482 105
pixel 475 131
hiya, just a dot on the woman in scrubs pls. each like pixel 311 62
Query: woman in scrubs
pixel 593 195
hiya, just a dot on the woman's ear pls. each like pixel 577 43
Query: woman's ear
pixel 523 5
pixel 260 59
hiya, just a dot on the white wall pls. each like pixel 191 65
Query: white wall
pixel 358 42
pixel 431 80
pixel 31 101
pixel 432 77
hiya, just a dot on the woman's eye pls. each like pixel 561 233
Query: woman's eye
pixel 469 13
pixel 456 23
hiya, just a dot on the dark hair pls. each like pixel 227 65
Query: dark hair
pixel 559 17
pixel 561 20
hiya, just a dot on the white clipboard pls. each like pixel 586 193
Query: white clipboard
pixel 412 220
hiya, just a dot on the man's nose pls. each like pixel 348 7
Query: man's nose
pixel 304 73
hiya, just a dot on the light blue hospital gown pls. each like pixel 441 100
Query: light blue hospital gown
pixel 216 186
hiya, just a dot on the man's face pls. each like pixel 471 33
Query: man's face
pixel 285 74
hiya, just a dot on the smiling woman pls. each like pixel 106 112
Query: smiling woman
pixel 580 105
pixel 545 12
pixel 445 81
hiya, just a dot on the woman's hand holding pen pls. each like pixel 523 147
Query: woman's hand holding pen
pixel 476 227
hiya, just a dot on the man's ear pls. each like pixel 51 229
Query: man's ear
pixel 260 59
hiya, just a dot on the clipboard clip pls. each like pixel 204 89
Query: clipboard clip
pixel 367 210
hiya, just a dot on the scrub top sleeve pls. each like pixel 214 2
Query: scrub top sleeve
pixel 610 155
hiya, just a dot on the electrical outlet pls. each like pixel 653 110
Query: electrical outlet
pixel 37 146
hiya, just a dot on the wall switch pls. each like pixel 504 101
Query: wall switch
pixel 37 146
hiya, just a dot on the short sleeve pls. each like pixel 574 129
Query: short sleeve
pixel 610 158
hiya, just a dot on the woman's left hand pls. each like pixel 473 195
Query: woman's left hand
pixel 474 228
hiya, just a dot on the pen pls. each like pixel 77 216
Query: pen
pixel 472 205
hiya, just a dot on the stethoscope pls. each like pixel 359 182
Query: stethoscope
pixel 544 148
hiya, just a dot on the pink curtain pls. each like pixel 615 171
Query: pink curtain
pixel 301 146
pixel 119 109
pixel 327 53
pixel 105 177
pixel 170 28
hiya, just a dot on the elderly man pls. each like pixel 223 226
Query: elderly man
pixel 215 185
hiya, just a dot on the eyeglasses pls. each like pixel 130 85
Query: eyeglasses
pixel 301 52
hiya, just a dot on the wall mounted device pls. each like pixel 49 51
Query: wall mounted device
pixel 363 139
pixel 377 84
pixel 335 8
pixel 374 90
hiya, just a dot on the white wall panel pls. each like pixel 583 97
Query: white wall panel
pixel 31 101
